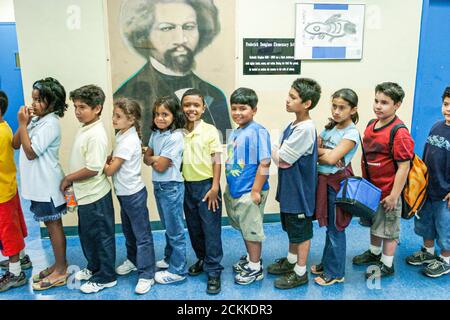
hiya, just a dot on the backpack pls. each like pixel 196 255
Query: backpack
pixel 414 192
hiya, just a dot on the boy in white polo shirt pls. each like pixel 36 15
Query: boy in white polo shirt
pixel 92 191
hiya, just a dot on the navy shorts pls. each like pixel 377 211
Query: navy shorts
pixel 46 211
pixel 298 227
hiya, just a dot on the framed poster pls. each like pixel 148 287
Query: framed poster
pixel 329 31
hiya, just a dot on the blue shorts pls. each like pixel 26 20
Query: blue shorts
pixel 434 223
pixel 46 211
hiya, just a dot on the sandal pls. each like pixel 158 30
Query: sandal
pixel 42 275
pixel 317 269
pixel 45 283
pixel 326 280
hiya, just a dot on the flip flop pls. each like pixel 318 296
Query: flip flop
pixel 45 284
pixel 41 275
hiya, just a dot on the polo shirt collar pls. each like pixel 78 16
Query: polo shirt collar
pixel 85 128
pixel 197 129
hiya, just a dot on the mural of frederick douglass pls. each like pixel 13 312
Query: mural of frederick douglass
pixel 169 34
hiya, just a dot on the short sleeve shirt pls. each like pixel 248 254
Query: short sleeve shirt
pixel 128 180
pixel 8 182
pixel 331 138
pixel 168 144
pixel 246 148
pixel 199 145
pixel 41 177
pixel 379 156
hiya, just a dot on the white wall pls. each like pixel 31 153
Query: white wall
pixel 7 11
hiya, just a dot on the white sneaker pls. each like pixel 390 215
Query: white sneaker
pixel 93 287
pixel 144 286
pixel 162 264
pixel 125 268
pixel 84 274
pixel 165 277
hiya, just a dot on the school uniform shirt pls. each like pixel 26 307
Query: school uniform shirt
pixel 199 145
pixel 331 138
pixel 169 145
pixel 8 182
pixel 379 158
pixel 40 178
pixel 246 148
pixel 436 156
pixel 128 180
pixel 296 190
pixel 90 151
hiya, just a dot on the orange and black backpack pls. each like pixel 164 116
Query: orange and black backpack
pixel 414 193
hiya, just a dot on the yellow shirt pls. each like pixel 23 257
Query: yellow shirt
pixel 199 145
pixel 8 182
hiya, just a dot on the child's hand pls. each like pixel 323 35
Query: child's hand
pixel 65 183
pixel 213 199
pixel 447 198
pixel 389 203
pixel 256 197
pixel 108 160
pixel 23 116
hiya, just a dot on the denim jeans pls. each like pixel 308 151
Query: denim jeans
pixel 333 258
pixel 97 237
pixel 138 233
pixel 169 200
pixel 204 226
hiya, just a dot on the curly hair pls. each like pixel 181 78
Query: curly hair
pixel 91 94
pixel 132 110
pixel 137 17
pixel 53 94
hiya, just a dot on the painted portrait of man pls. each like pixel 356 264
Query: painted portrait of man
pixel 169 34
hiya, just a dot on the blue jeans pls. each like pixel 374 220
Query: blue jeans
pixel 333 258
pixel 138 233
pixel 434 223
pixel 169 200
pixel 97 236
pixel 204 226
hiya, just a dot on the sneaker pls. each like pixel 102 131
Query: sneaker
pixel 247 275
pixel 84 274
pixel 281 266
pixel 94 287
pixel 144 285
pixel 25 263
pixel 125 268
pixel 326 280
pixel 162 264
pixel 196 268
pixel 384 270
pixel 9 280
pixel 166 277
pixel 437 268
pixel 317 269
pixel 291 280
pixel 366 258
pixel 239 266
pixel 420 257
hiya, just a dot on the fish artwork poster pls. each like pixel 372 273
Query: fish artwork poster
pixel 329 31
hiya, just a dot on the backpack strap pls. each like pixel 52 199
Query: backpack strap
pixel 391 140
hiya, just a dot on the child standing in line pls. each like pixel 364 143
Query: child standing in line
pixel 39 140
pixel 247 171
pixel 164 154
pixel 296 158
pixel 92 191
pixel 434 222
pixel 385 229
pixel 125 169
pixel 202 198
pixel 337 146
pixel 13 229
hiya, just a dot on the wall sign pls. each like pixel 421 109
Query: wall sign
pixel 329 31
pixel 269 56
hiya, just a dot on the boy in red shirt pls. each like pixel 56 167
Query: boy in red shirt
pixel 388 170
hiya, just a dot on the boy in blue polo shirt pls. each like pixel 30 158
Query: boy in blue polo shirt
pixel 247 170
pixel 297 180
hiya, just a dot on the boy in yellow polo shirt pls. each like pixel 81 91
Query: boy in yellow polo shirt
pixel 12 223
pixel 202 199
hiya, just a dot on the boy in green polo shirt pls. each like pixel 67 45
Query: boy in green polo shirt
pixel 202 199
